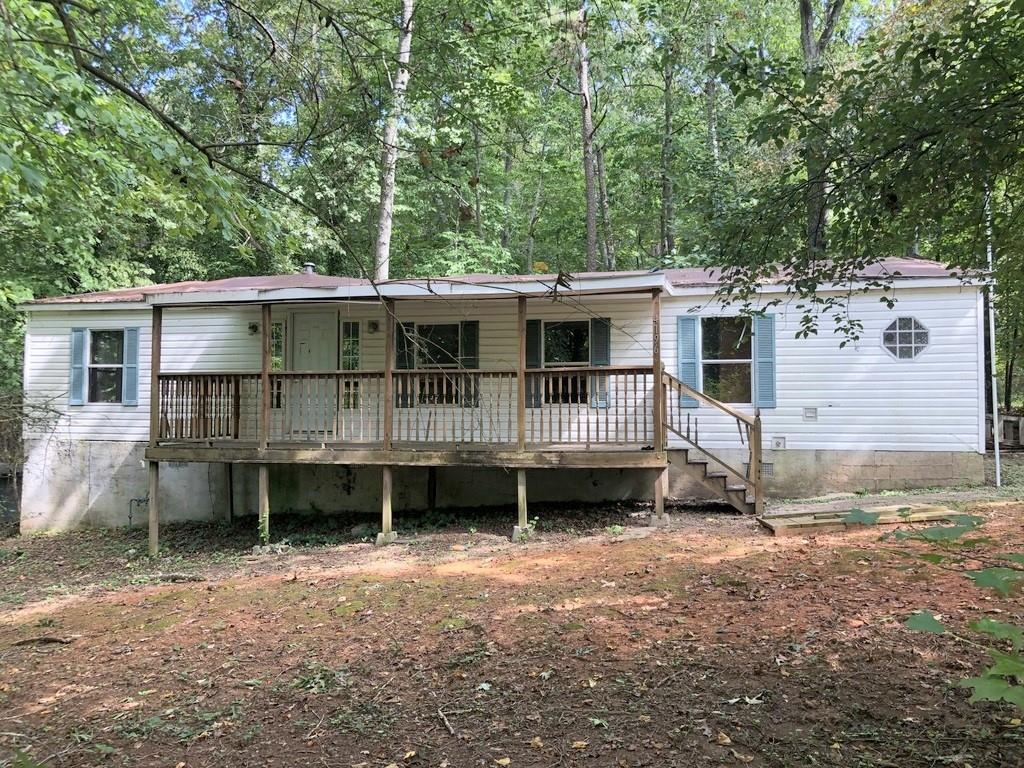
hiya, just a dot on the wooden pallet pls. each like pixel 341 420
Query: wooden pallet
pixel 799 523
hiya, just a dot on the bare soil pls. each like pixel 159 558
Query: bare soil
pixel 710 643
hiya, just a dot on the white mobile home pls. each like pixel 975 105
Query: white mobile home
pixel 312 392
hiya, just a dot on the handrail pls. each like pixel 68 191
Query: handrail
pixel 567 370
pixel 689 391
pixel 752 425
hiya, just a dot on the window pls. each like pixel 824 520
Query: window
pixel 905 338
pixel 566 344
pixel 437 346
pixel 726 359
pixel 277 336
pixel 106 366
pixel 350 345
pixel 350 362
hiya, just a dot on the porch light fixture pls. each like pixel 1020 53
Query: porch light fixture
pixel 254 328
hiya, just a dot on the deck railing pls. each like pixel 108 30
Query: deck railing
pixel 608 405
pixel 208 406
pixel 684 422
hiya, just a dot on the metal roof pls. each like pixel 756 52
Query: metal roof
pixel 342 287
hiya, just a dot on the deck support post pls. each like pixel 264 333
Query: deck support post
pixel 659 379
pixel 523 530
pixel 660 517
pixel 386 535
pixel 521 378
pixel 263 494
pixel 389 368
pixel 155 339
pixel 264 423
pixel 154 508
pixel 754 468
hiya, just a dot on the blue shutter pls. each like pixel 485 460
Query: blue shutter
pixel 688 358
pixel 130 372
pixel 534 383
pixel 600 354
pixel 764 361
pixel 76 387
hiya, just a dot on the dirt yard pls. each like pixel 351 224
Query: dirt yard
pixel 613 645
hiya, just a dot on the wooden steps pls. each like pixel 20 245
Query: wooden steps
pixel 739 485
pixel 722 484
pixel 793 523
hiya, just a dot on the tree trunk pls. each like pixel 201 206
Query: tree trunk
pixel 532 226
pixel 814 46
pixel 477 170
pixel 667 241
pixel 1011 360
pixel 389 155
pixel 606 213
pixel 588 141
pixel 506 199
pixel 711 112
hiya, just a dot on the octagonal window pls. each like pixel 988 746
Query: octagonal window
pixel 905 338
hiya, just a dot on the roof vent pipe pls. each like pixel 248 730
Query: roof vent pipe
pixel 309 268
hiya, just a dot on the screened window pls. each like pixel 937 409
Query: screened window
pixel 106 366
pixel 349 345
pixel 566 344
pixel 350 362
pixel 437 346
pixel 726 359
pixel 905 338
pixel 277 336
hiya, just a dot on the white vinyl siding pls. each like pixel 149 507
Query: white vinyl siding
pixel 865 399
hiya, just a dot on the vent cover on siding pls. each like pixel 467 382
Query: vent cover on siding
pixel 767 468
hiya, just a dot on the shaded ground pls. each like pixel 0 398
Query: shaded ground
pixel 707 644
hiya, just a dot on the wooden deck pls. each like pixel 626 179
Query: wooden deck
pixel 399 455
pixel 586 416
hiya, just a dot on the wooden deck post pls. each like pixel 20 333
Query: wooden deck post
pixel 523 530
pixel 156 334
pixel 263 492
pixel 154 508
pixel 155 337
pixel 659 384
pixel 754 470
pixel 386 535
pixel 660 491
pixel 265 380
pixel 521 387
pixel 389 369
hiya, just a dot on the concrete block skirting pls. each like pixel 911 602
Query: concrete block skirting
pixel 72 484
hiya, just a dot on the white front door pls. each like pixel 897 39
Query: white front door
pixel 314 341
pixel 312 400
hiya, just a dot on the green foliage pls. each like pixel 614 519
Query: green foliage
pixel 1001 580
pixel 860 517
pixel 925 621
pixel 177 141
pixel 1003 679
pixel 318 678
